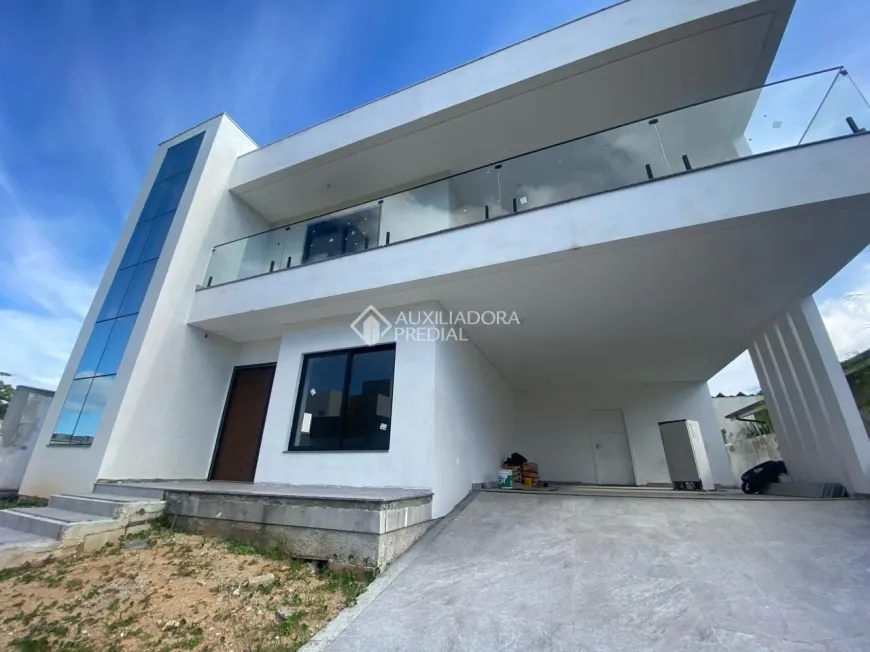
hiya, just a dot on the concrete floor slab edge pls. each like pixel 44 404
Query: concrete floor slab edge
pixel 343 620
pixel 663 495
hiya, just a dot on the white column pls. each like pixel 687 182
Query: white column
pixel 820 432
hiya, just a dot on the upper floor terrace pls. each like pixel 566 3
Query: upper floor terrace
pixel 808 109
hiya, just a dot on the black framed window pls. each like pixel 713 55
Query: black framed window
pixel 345 400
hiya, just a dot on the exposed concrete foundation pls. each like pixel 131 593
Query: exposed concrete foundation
pixel 350 526
pixel 346 548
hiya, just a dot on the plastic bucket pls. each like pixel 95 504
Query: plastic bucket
pixel 505 479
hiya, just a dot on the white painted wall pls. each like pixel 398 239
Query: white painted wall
pixel 724 405
pixel 552 428
pixel 409 461
pixel 452 412
pixel 474 418
pixel 179 368
pixel 262 352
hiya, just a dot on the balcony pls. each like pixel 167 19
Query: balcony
pixel 808 109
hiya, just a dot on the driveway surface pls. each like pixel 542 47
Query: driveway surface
pixel 540 573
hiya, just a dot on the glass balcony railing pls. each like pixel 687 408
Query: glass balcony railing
pixel 807 109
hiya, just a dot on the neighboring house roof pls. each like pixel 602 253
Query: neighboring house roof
pixel 747 410
pixel 850 366
pixel 856 362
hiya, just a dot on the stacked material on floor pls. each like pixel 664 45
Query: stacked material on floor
pixel 525 473
pixel 529 474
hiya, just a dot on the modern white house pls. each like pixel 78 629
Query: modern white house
pixel 533 252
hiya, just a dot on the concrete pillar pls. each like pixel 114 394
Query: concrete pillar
pixel 820 432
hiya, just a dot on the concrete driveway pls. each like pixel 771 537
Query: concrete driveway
pixel 542 572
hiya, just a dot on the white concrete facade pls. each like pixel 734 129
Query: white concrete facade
pixel 627 294
pixel 820 432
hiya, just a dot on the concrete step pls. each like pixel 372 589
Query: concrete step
pixel 124 508
pixel 53 523
pixel 130 490
pixel 17 547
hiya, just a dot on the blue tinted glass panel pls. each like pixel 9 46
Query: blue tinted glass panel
pixel 116 345
pixel 115 297
pixel 180 157
pixel 137 242
pixel 72 407
pixel 93 408
pixel 153 203
pixel 94 349
pixel 174 188
pixel 157 236
pixel 137 288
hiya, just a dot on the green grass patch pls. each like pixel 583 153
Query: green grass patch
pixel 23 502
pixel 273 552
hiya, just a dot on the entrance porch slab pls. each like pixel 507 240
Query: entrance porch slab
pixel 359 526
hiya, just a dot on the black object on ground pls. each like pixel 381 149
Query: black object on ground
pixel 757 479
pixel 515 460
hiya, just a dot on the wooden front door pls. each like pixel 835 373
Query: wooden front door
pixel 242 426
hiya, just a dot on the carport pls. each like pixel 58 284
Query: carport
pixel 562 573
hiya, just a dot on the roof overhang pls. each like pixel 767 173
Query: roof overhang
pixel 633 60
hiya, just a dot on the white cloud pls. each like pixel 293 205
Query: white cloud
pixel 44 296
pixel 46 300
pixel 35 348
pixel 33 270
pixel 847 319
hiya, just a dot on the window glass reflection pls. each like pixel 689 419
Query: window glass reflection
pixel 160 228
pixel 345 400
pixel 369 401
pixel 180 157
pixel 93 408
pixel 153 203
pixel 136 244
pixel 116 345
pixel 137 289
pixel 172 195
pixel 72 407
pixel 94 349
pixel 115 296
pixel 322 393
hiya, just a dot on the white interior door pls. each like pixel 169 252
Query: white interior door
pixel 610 447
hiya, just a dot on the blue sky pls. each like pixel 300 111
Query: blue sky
pixel 90 88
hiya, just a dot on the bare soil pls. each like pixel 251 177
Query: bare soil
pixel 171 591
